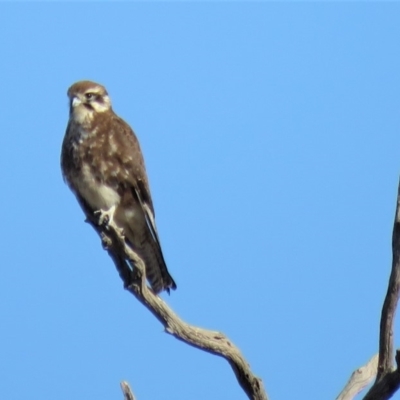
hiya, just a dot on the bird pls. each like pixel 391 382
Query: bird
pixel 103 165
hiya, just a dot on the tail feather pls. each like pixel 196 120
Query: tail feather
pixel 142 233
pixel 156 269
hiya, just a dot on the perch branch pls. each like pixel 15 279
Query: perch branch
pixel 359 379
pixel 385 387
pixel 388 376
pixel 210 341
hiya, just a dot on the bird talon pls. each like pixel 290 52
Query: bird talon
pixel 106 220
pixel 105 217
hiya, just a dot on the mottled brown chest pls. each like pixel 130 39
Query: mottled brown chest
pixel 92 150
pixel 102 156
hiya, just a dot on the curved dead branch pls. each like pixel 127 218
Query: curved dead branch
pixel 210 341
pixel 359 379
pixel 388 376
pixel 126 390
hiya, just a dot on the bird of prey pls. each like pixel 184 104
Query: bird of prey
pixel 102 163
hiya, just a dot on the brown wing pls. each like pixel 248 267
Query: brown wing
pixel 131 158
pixel 149 246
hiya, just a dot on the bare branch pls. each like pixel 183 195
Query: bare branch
pixel 210 341
pixel 386 347
pixel 126 390
pixel 388 376
pixel 389 383
pixel 359 379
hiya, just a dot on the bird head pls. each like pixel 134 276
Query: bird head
pixel 86 99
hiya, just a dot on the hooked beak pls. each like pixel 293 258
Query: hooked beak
pixel 75 101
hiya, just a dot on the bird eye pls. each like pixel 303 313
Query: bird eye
pixel 89 96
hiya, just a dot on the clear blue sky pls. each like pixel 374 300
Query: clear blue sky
pixel 271 133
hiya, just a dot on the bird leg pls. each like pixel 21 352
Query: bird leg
pixel 106 219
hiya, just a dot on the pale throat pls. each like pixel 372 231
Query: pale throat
pixel 82 116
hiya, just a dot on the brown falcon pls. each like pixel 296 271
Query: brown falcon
pixel 102 163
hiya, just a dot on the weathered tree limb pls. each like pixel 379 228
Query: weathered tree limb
pixel 388 376
pixel 126 390
pixel 388 384
pixel 210 341
pixel 386 345
pixel 359 379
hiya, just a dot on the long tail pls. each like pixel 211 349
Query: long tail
pixel 156 268
pixel 150 251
